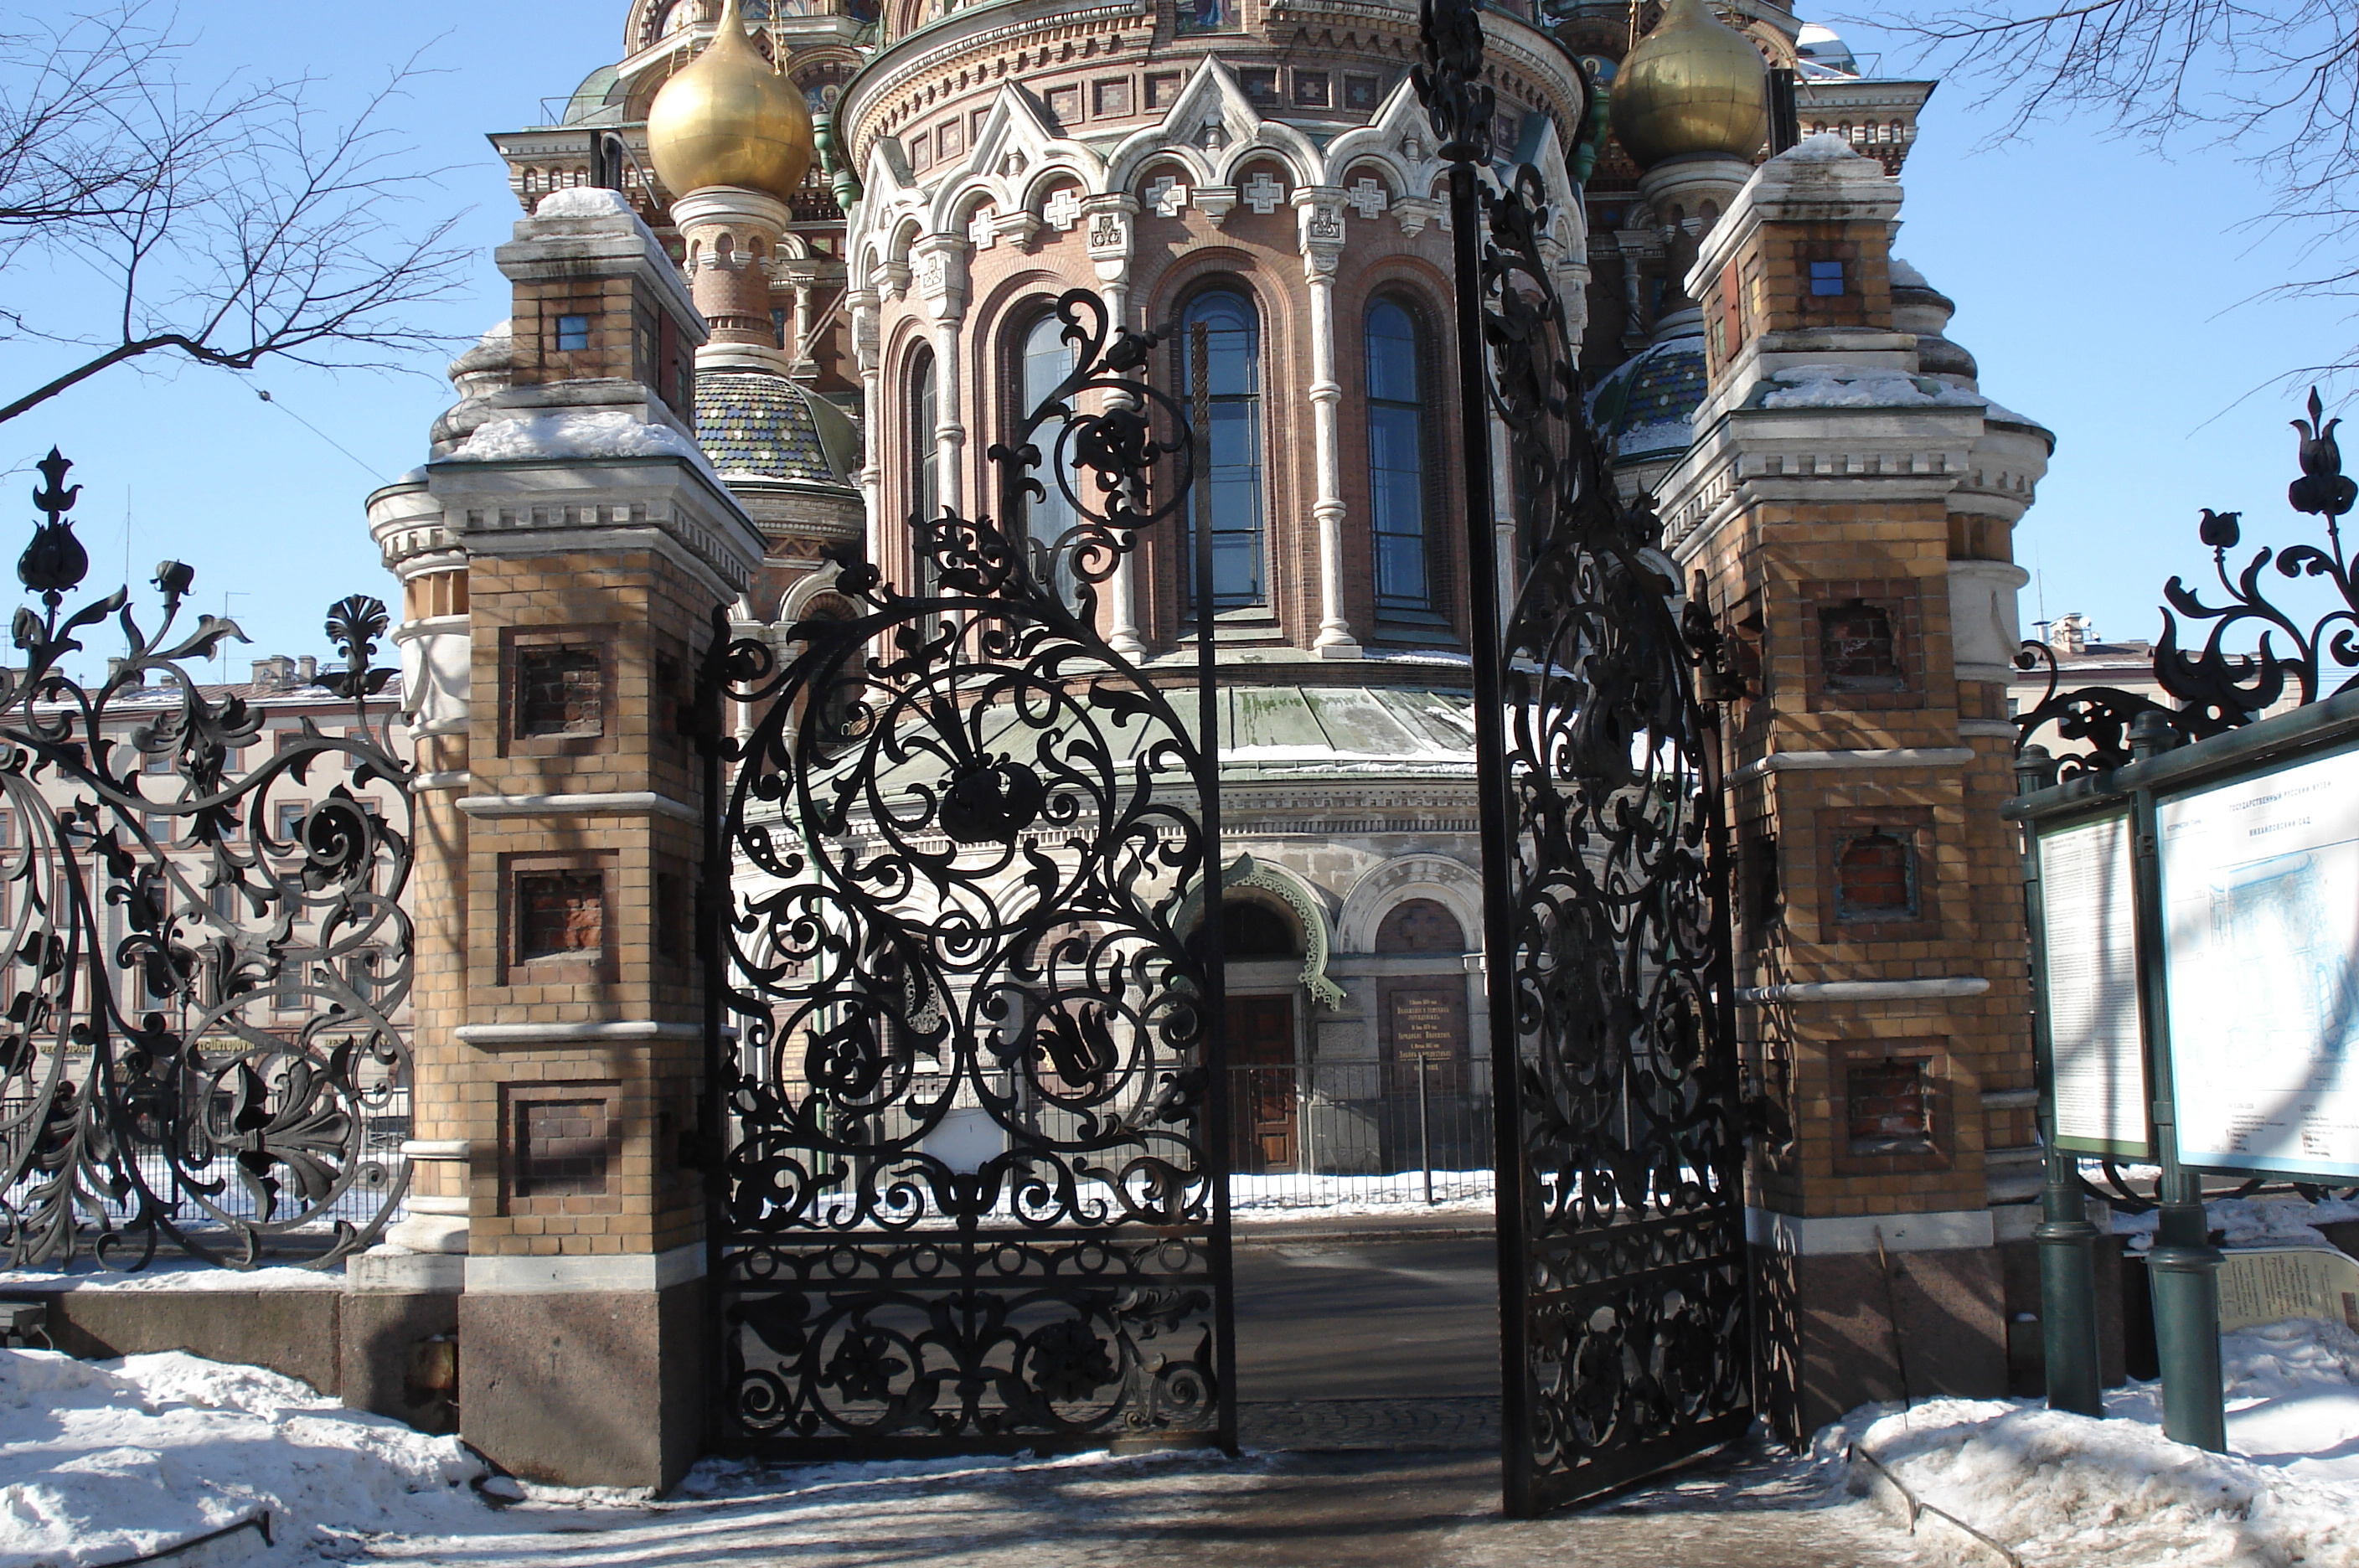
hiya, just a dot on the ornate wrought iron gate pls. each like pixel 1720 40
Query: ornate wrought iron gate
pixel 203 966
pixel 1624 1310
pixel 965 1056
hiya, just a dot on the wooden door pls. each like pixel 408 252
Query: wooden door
pixel 1262 1100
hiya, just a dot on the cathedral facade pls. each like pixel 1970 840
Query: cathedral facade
pixel 873 214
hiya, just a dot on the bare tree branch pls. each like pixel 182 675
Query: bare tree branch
pixel 230 226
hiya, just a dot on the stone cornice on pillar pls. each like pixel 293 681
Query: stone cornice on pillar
pixel 1319 219
pixel 1824 456
pixel 567 505
pixel 940 264
pixel 742 211
pixel 608 245
pixel 1107 230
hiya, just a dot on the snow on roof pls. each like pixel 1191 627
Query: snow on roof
pixel 583 202
pixel 569 433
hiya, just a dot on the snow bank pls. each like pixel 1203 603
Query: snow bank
pixel 99 1461
pixel 2066 1488
pixel 572 433
pixel 2288 1221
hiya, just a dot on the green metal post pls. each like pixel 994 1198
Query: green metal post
pixel 2068 1242
pixel 2184 1266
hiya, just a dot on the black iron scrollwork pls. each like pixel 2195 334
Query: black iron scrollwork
pixel 202 967
pixel 2213 691
pixel 969 1199
pixel 1608 944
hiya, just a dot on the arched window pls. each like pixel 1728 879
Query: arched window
pixel 1044 362
pixel 925 468
pixel 1228 488
pixel 925 456
pixel 1396 495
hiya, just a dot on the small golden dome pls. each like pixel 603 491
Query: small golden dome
pixel 728 119
pixel 1694 84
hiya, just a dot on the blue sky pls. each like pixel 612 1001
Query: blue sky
pixel 2106 292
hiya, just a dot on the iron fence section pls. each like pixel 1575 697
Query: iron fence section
pixel 200 962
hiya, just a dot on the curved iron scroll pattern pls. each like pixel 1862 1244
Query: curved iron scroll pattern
pixel 967 1197
pixel 1627 1144
pixel 2216 691
pixel 202 968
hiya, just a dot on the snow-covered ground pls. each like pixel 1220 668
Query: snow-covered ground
pixel 1297 1197
pixel 2059 1488
pixel 102 1461
pixel 2280 1220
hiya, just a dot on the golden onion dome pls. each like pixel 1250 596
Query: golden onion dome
pixel 1694 84
pixel 728 119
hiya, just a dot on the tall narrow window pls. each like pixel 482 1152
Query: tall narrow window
pixel 1046 359
pixel 1228 490
pixel 925 471
pixel 1397 461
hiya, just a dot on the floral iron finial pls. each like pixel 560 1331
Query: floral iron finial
pixel 54 562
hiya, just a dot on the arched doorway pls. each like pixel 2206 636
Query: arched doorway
pixel 1436 1105
pixel 1259 935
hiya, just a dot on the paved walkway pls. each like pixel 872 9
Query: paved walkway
pixel 1267 1511
pixel 1368 1366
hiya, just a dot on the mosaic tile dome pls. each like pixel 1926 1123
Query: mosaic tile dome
pixel 759 426
pixel 1643 407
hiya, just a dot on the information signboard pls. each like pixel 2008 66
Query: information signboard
pixel 2260 886
pixel 2090 981
pixel 1428 1024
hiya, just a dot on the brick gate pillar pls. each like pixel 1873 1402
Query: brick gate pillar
pixel 1847 507
pixel 559 998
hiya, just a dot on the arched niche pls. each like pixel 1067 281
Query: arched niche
pixel 1452 884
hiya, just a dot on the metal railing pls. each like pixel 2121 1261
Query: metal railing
pixel 1340 1136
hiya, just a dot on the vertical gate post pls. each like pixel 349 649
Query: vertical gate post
pixel 2183 1266
pixel 2068 1242
pixel 587 544
pixel 1459 105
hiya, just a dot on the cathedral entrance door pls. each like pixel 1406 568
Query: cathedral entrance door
pixel 1261 1061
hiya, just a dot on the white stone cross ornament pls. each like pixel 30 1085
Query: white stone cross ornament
pixel 1367 198
pixel 979 229
pixel 1167 196
pixel 1063 209
pixel 1262 194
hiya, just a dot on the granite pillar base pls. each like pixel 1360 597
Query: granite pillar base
pixel 586 1387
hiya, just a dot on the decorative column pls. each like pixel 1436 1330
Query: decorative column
pixel 802 274
pixel 436 667
pixel 1880 970
pixel 865 355
pixel 941 262
pixel 1108 241
pixel 1320 211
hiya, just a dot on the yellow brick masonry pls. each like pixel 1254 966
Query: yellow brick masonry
pixel 1769 558
pixel 643 611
